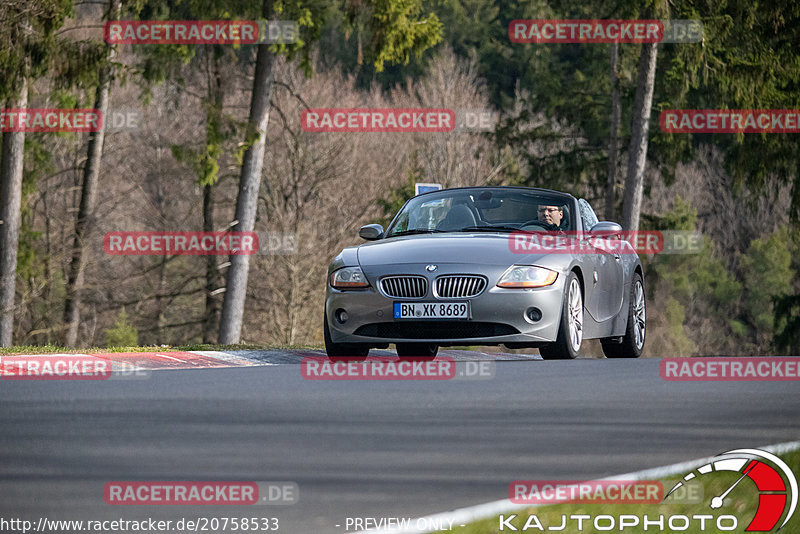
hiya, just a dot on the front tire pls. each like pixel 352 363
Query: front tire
pixel 633 340
pixel 570 330
pixel 350 351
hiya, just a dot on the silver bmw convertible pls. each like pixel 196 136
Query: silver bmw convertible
pixel 517 266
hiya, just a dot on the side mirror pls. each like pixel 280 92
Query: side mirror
pixel 371 232
pixel 606 229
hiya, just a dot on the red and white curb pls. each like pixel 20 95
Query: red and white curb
pixel 175 360
pixel 156 361
pixel 211 359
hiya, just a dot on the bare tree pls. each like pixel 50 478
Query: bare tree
pixel 91 173
pixel 637 152
pixel 230 327
pixel 616 107
pixel 398 32
pixel 323 186
pixel 214 118
pixel 10 203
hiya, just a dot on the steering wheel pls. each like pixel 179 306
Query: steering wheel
pixel 535 222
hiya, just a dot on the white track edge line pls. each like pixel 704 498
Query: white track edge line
pixel 482 511
pixel 234 357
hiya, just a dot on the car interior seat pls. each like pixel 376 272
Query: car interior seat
pixel 566 222
pixel 459 216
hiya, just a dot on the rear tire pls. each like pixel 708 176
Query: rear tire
pixel 570 330
pixel 635 331
pixel 426 351
pixel 347 351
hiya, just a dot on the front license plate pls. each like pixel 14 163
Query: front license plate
pixel 431 310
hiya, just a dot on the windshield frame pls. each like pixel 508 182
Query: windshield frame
pixel 557 197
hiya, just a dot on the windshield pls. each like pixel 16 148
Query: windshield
pixel 484 209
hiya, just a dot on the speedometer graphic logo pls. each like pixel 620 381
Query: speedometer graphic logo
pixel 777 488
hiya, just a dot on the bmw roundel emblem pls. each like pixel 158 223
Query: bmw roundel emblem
pixel 431 268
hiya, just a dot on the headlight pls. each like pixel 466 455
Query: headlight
pixel 522 276
pixel 348 278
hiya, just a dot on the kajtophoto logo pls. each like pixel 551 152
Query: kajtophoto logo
pixel 770 482
pixel 773 482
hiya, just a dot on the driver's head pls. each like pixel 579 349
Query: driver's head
pixel 551 214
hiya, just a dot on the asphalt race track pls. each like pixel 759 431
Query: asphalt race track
pixel 364 448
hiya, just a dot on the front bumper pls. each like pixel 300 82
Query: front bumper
pixel 498 315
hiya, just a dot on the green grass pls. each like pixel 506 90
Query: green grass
pixel 53 349
pixel 741 502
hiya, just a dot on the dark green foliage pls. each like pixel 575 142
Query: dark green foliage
pixel 122 334
pixel 787 321
pixel 27 39
pixel 698 290
pixel 767 275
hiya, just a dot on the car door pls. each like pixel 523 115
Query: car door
pixel 607 272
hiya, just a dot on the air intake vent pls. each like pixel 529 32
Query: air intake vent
pixel 436 330
pixel 459 286
pixel 405 287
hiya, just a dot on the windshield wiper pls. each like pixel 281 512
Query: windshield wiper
pixel 417 231
pixel 489 229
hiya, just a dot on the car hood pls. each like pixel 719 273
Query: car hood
pixel 478 249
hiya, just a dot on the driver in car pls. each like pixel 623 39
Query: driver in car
pixel 551 216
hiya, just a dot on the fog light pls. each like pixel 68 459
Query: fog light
pixel 533 314
pixel 341 316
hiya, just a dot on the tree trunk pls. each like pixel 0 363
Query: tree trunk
pixel 230 329
pixel 11 165
pixel 616 106
pixel 84 219
pixel 161 298
pixel 212 271
pixel 213 281
pixel 637 153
